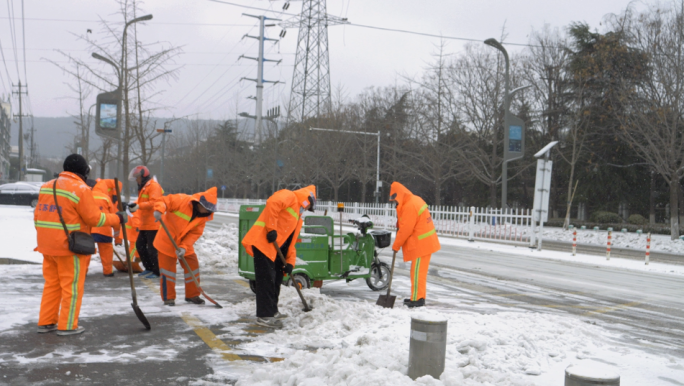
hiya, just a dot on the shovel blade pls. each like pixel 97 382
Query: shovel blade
pixel 386 301
pixel 141 316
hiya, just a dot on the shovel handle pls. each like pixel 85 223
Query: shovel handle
pixel 389 287
pixel 125 237
pixel 299 292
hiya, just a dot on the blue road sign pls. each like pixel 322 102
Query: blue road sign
pixel 210 173
pixel 223 187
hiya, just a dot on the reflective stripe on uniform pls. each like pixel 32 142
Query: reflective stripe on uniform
pixel 424 235
pixel 188 277
pixel 102 198
pixel 422 209
pixel 144 196
pixel 414 295
pixel 74 293
pixel 260 223
pixel 56 225
pixel 292 212
pixel 61 193
pixel 182 215
pixel 168 274
pixel 103 218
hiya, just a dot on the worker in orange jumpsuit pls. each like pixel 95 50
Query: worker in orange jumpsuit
pixel 149 192
pixel 416 236
pixel 104 194
pixel 281 222
pixel 185 216
pixel 64 272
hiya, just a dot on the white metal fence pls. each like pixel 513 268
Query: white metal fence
pixel 468 222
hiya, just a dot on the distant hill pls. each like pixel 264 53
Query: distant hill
pixel 53 135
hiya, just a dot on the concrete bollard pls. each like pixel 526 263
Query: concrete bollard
pixel 588 374
pixel 427 348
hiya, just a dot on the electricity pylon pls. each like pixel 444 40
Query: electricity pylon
pixel 310 95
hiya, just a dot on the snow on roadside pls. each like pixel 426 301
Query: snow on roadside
pixel 659 243
pixel 17 233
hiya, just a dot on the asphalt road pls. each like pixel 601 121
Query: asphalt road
pixel 647 308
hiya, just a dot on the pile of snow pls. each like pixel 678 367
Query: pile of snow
pixel 218 250
pixel 660 243
pixel 357 342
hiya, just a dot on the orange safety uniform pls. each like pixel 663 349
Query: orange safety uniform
pixel 132 231
pixel 185 230
pixel 416 236
pixel 147 197
pixel 102 193
pixel 64 271
pixel 282 213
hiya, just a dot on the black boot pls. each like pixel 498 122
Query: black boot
pixel 195 300
pixel 407 300
pixel 417 303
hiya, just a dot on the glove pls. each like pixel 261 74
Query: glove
pixel 288 269
pixel 133 207
pixel 115 199
pixel 271 236
pixel 180 253
pixel 157 215
pixel 123 217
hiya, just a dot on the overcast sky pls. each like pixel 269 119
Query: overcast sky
pixel 210 34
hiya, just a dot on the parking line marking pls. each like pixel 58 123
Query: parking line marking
pixel 242 283
pixel 212 340
pixel 606 310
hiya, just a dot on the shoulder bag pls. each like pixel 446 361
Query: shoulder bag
pixel 80 243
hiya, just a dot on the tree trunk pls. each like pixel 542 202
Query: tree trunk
pixel 438 190
pixel 336 191
pixel 566 223
pixel 674 208
pixel 364 190
pixel 651 203
pixel 492 194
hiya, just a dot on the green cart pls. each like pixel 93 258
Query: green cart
pixel 319 256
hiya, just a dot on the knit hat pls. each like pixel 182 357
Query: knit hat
pixel 75 163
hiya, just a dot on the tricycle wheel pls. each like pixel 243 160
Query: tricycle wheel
pixel 302 280
pixel 380 277
pixel 252 285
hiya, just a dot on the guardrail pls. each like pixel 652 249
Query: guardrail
pixel 459 221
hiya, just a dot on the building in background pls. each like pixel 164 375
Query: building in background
pixel 5 126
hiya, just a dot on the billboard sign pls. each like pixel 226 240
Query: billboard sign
pixel 108 114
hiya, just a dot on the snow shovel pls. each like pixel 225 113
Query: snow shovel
pixel 136 309
pixel 123 267
pixel 299 292
pixel 387 301
pixel 186 265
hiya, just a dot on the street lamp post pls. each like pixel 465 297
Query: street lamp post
pixel 163 133
pixel 507 104
pixel 121 70
pixel 377 173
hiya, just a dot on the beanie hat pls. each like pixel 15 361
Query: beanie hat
pixel 75 163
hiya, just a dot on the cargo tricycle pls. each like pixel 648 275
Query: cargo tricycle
pixel 324 255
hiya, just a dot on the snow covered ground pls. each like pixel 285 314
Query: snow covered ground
pixel 660 243
pixel 351 341
pixel 343 341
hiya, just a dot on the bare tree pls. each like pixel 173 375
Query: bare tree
pixel 654 126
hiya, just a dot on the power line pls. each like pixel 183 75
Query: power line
pixel 383 28
pixel 13 36
pixel 114 22
pixel 2 51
